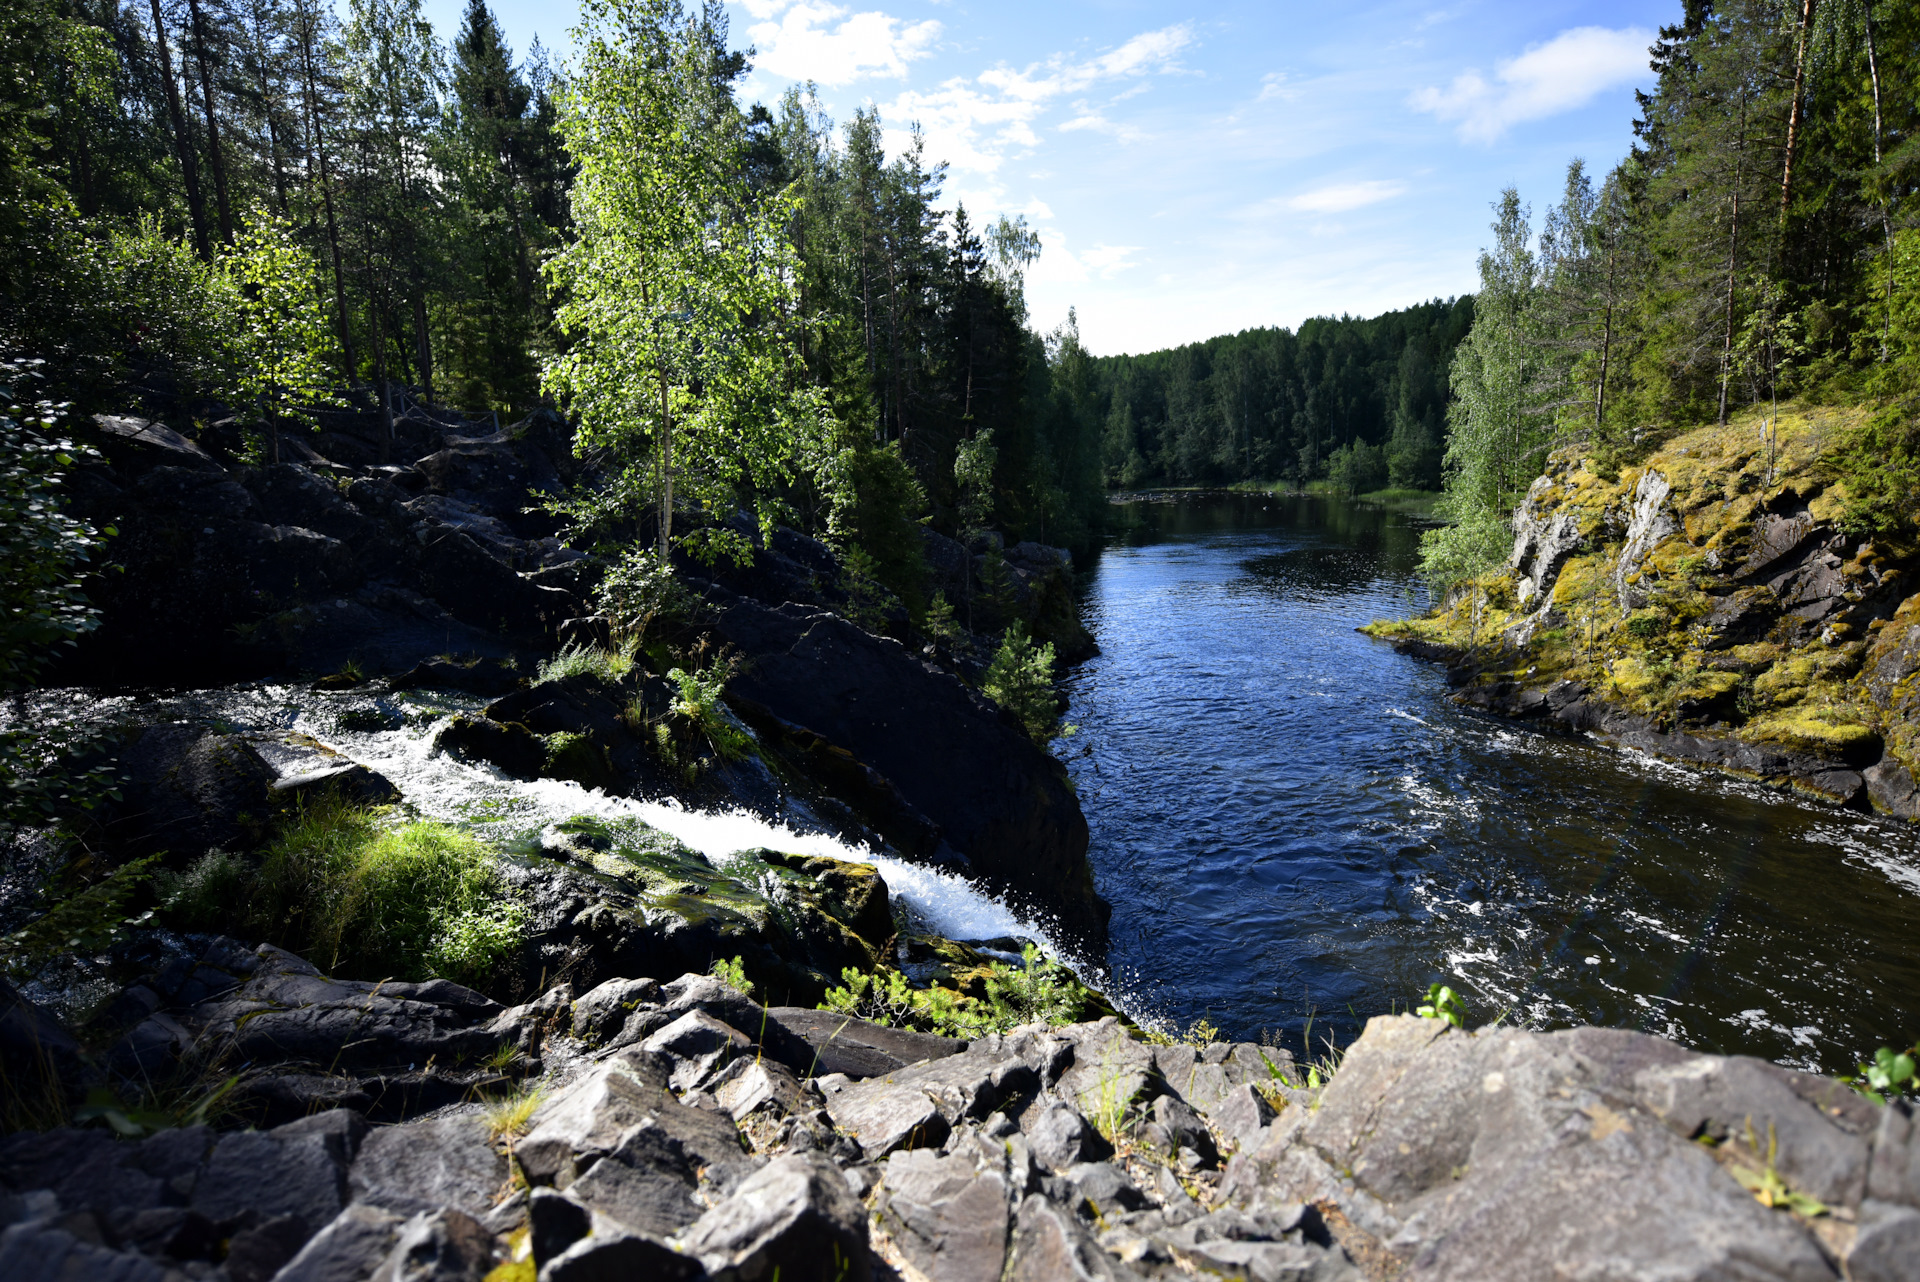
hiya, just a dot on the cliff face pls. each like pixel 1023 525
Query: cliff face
pixel 1706 606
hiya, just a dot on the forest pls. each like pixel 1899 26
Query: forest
pixel 1756 244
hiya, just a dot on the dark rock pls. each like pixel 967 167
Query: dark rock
pixel 1050 1245
pixel 1172 1127
pixel 554 1223
pixel 40 1252
pixel 478 588
pixel 949 1215
pixel 759 1086
pixel 1242 1113
pixel 835 1043
pixel 1061 1138
pixel 585 1121
pixel 348 780
pixel 796 1213
pixel 602 1012
pixel 440 1246
pixel 130 439
pixel 620 1258
pixel 257 1252
pixel 347 1250
pixel 290 494
pixel 177 1232
pixel 1887 1246
pixel 190 790
pixel 39 1059
pixel 646 1183
pixel 420 1166
pixel 1891 789
pixel 512 747
pixel 998 799
pixel 1104 1189
pixel 252 1174
pixel 477 677
pixel 698 1044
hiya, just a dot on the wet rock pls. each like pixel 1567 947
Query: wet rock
pixel 996 798
pixel 190 790
pixel 478 677
pixel 38 1058
pixel 797 1213
pixel 512 747
pixel 348 780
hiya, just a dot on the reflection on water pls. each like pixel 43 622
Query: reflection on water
pixel 1288 816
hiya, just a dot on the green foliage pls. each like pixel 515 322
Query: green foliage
pixel 365 900
pixel 1020 679
pixel 876 518
pixel 1039 990
pixel 87 920
pixel 867 597
pixel 703 703
pixel 610 666
pixel 940 623
pixel 678 289
pixel 41 547
pixel 1357 467
pixel 640 589
pixel 732 973
pixel 1890 1074
pixel 283 334
pixel 1443 1003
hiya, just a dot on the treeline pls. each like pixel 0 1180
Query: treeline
pixel 1758 242
pixel 1362 402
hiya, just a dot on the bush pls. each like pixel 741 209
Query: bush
pixel 701 695
pixel 362 900
pixel 1020 679
pixel 878 512
pixel 1039 991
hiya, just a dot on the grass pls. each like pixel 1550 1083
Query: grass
pixel 507 1119
pixel 360 897
pixel 610 666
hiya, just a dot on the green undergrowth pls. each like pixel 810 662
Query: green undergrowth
pixel 1037 991
pixel 361 895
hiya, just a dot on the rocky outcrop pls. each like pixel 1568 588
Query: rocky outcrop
pixel 680 1130
pixel 991 796
pixel 1708 607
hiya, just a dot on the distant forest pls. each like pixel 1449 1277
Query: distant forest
pixel 1363 402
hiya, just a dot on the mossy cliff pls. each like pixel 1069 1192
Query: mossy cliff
pixel 1709 605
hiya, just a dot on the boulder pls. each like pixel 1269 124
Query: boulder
pixel 797 1214
pixel 645 1183
pixel 190 790
pixel 426 1165
pixel 998 799
pixel 834 1043
pixel 347 1250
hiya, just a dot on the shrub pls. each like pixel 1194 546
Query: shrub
pixel 733 974
pixel 587 660
pixel 1039 991
pixel 1020 679
pixel 701 695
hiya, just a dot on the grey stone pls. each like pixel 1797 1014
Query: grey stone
pixel 1110 1071
pixel 1105 1189
pixel 439 1246
pixel 699 1044
pixel 797 1213
pixel 341 1130
pixel 347 1250
pixel 883 1116
pixel 761 1085
pixel 180 1233
pixel 1061 1137
pixel 1242 1114
pixel 646 1183
pixel 950 1215
pixel 555 1222
pixel 603 1011
pixel 586 1120
pixel 919 1105
pixel 1887 1248
pixel 86 1170
pixel 1172 1126
pixel 39 1252
pixel 259 1251
pixel 1051 1245
pixel 255 1173
pixel 1894 1175
pixel 422 1166
pixel 837 1043
pixel 624 1257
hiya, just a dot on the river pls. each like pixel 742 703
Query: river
pixel 1293 822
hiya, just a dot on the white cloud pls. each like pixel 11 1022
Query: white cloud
pixel 1338 198
pixel 1274 85
pixel 976 124
pixel 818 41
pixel 1059 265
pixel 1564 73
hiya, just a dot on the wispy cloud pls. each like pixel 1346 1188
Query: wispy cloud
pixel 1338 198
pixel 1564 73
pixel 975 124
pixel 813 40
pixel 1059 265
pixel 1274 85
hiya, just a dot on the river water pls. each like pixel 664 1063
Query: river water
pixel 1292 821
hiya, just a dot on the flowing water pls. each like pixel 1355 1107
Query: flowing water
pixel 1291 820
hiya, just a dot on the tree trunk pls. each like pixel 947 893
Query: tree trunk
pixel 318 143
pixel 182 144
pixel 1733 261
pixel 423 345
pixel 214 159
pixel 1793 107
pixel 1886 220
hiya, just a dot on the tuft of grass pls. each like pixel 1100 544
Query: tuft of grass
pixel 587 660
pixel 733 974
pixel 507 1119
pixel 361 898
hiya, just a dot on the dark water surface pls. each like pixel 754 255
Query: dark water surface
pixel 1289 817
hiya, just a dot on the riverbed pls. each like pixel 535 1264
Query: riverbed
pixel 1296 827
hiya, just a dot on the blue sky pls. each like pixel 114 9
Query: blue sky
pixel 1197 170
